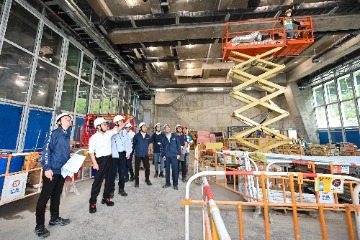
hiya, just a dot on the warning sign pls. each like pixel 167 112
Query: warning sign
pixel 326 197
pixel 14 187
pixel 341 169
pixel 329 184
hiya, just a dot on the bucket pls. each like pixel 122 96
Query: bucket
pixel 15 166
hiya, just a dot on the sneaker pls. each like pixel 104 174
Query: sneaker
pixel 156 174
pixel 107 201
pixel 92 208
pixel 148 183
pixel 41 231
pixel 132 178
pixel 59 221
pixel 122 193
pixel 136 185
pixel 176 188
pixel 166 186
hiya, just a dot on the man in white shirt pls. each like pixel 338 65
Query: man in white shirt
pixel 100 153
pixel 129 167
pixel 121 148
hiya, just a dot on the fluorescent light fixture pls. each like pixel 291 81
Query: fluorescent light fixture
pixel 192 89
pixel 218 89
pixel 160 89
pixel 40 93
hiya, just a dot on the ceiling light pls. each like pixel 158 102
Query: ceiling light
pixel 151 48
pixel 40 93
pixel 189 46
pixel 130 3
pixel 218 89
pixel 19 82
pixel 160 90
pixel 158 64
pixel 192 89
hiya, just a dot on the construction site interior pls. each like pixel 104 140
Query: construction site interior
pixel 268 91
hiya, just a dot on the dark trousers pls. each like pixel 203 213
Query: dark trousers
pixel 183 166
pixel 174 166
pixel 118 166
pixel 103 172
pixel 146 164
pixel 50 190
pixel 129 166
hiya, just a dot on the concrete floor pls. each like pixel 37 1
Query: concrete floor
pixel 151 212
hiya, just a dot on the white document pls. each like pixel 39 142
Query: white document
pixel 73 165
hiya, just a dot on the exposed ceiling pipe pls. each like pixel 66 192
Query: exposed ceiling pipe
pixel 79 17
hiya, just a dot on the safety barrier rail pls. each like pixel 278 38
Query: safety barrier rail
pixel 294 205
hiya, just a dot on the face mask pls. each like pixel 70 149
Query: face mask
pixel 288 15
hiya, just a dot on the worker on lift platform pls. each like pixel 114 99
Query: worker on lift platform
pixel 288 24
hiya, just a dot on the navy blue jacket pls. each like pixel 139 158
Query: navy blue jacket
pixel 141 145
pixel 56 151
pixel 156 140
pixel 172 148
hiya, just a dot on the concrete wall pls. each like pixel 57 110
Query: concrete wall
pixel 209 111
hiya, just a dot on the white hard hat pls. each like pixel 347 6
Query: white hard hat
pixel 99 121
pixel 157 124
pixel 177 126
pixel 128 125
pixel 166 125
pixel 118 118
pixel 141 124
pixel 63 115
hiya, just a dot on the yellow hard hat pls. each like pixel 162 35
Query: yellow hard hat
pixel 288 11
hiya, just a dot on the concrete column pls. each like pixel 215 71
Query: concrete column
pixel 301 104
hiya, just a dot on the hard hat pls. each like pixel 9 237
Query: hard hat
pixel 166 125
pixel 177 126
pixel 157 124
pixel 118 118
pixel 141 124
pixel 288 11
pixel 63 115
pixel 128 125
pixel 98 121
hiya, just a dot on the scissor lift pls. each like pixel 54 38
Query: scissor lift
pixel 252 45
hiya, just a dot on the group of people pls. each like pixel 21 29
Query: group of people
pixel 111 153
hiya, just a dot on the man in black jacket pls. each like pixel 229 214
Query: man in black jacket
pixel 56 152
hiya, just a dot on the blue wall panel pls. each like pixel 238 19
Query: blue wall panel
pixel 10 118
pixel 323 137
pixel 79 123
pixel 39 122
pixel 352 136
pixel 336 135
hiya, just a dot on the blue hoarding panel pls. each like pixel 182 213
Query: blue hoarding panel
pixel 38 126
pixel 352 136
pixel 336 135
pixel 323 137
pixel 10 118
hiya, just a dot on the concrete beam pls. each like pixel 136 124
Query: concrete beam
pixel 205 66
pixel 215 30
pixel 212 80
pixel 309 67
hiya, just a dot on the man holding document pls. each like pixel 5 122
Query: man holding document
pixel 56 152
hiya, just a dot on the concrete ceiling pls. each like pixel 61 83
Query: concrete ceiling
pixel 177 43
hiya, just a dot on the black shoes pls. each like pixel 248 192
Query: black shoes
pixel 136 185
pixel 161 174
pixel 92 208
pixel 132 178
pixel 148 182
pixel 107 201
pixel 59 221
pixel 41 231
pixel 156 174
pixel 122 193
pixel 166 186
pixel 176 188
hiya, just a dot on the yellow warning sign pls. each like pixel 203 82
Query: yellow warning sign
pixel 329 184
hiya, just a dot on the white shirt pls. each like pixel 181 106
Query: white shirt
pixel 100 144
pixel 121 142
